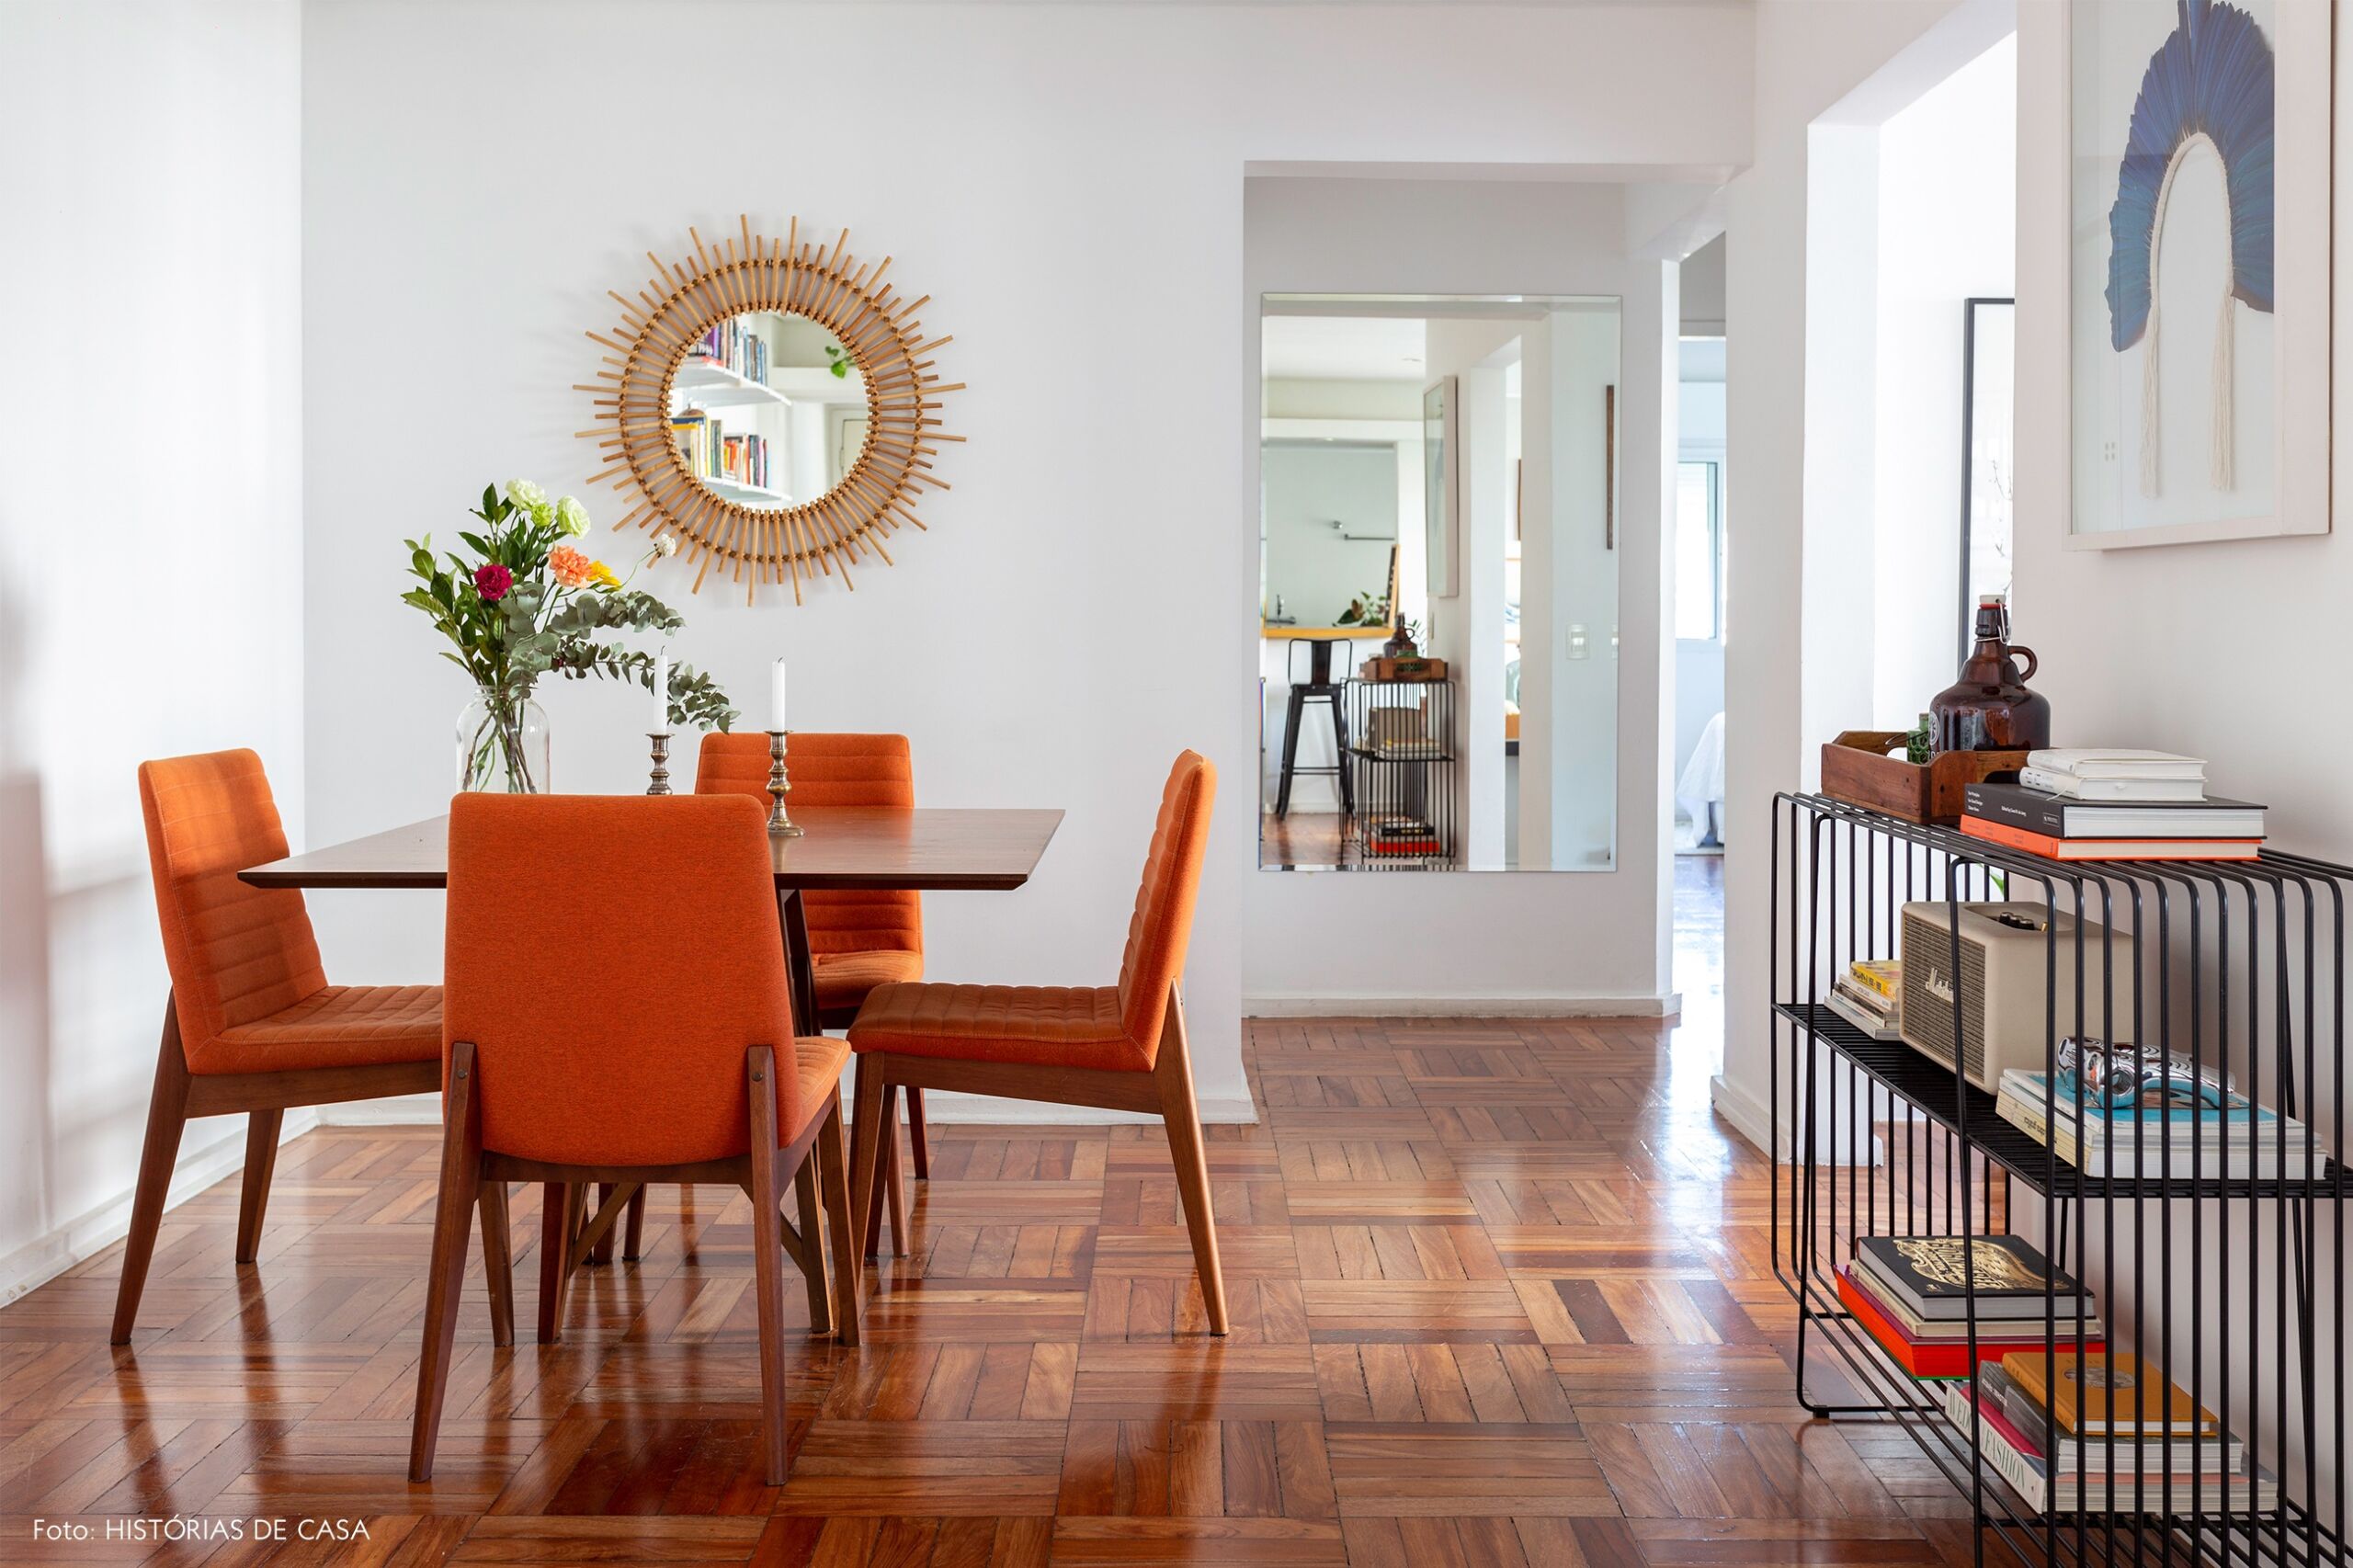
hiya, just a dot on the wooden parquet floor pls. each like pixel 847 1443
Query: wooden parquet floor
pixel 1501 1294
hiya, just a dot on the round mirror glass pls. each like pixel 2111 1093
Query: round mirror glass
pixel 769 410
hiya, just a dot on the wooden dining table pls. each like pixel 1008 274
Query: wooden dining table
pixel 926 849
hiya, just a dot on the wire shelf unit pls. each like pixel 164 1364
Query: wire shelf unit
pixel 2230 1279
pixel 1407 786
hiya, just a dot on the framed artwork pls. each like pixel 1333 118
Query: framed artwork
pixel 2199 189
pixel 1441 483
pixel 1988 388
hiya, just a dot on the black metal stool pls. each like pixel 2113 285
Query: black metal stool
pixel 1319 686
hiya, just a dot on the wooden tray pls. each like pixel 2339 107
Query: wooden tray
pixel 1857 770
pixel 1382 668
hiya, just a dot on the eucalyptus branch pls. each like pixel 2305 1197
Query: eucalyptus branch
pixel 695 701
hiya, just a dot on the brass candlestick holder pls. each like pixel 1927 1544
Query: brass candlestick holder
pixel 780 824
pixel 661 781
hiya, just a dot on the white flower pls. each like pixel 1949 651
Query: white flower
pixel 523 493
pixel 665 544
pixel 573 516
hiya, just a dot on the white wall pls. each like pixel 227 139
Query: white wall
pixel 1551 939
pixel 1947 201
pixel 2229 652
pixel 1699 662
pixel 2219 650
pixel 1811 54
pixel 1067 183
pixel 151 543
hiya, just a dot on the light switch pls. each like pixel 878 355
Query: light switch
pixel 1576 641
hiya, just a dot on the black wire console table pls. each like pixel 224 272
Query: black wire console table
pixel 2219 1263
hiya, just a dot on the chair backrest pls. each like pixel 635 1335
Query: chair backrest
pixel 1163 924
pixel 829 770
pixel 236 953
pixel 612 958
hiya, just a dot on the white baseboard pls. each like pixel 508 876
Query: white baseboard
pixel 45 1257
pixel 1306 1007
pixel 425 1110
pixel 395 1111
pixel 1750 1117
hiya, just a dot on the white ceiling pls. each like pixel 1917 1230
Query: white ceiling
pixel 1344 348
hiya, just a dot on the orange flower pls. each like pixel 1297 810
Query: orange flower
pixel 572 569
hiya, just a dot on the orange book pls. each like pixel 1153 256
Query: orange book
pixel 2103 1396
pixel 2052 848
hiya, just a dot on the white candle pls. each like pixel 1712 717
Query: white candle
pixel 662 692
pixel 776 697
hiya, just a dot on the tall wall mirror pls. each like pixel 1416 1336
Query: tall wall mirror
pixel 1438 619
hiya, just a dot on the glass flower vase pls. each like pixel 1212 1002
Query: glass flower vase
pixel 503 745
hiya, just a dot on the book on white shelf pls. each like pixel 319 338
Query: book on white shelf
pixel 2152 792
pixel 2113 762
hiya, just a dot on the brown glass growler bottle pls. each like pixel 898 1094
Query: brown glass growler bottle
pixel 1989 707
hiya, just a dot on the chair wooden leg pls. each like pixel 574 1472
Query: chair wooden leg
pixel 453 1228
pixel 632 1246
pixel 918 1136
pixel 866 1137
pixel 833 1172
pixel 499 1262
pixel 768 1259
pixel 602 1253
pixel 559 1221
pixel 893 1184
pixel 261 1159
pixel 1174 1074
pixel 167 1115
pixel 894 1175
pixel 813 1243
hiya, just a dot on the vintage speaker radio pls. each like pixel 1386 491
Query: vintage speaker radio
pixel 2005 984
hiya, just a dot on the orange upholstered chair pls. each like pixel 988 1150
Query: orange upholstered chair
pixel 617 1010
pixel 858 938
pixel 252 1023
pixel 1116 1047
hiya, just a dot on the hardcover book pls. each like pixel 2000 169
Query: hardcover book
pixel 2055 849
pixel 1933 1358
pixel 2109 1395
pixel 1931 1275
pixel 2056 816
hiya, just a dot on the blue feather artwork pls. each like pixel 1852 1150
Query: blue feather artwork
pixel 2212 77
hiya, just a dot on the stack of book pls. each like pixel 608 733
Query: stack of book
pixel 1399 835
pixel 712 452
pixel 2112 805
pixel 1911 1293
pixel 1869 996
pixel 732 347
pixel 2171 1130
pixel 2098 1437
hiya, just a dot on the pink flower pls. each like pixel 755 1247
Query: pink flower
pixel 492 581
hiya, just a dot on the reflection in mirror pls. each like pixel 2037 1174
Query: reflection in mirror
pixel 1439 582
pixel 769 410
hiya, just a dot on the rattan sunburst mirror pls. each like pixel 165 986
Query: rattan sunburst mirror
pixel 774 401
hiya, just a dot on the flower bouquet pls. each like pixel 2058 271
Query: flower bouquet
pixel 531 603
